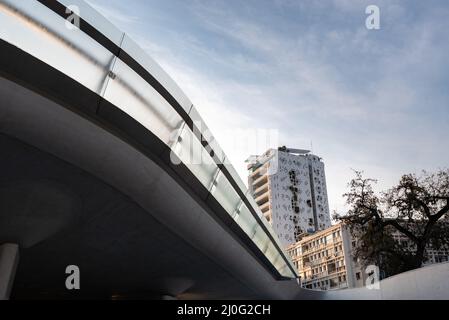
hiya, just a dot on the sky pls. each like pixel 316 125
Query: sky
pixel 370 100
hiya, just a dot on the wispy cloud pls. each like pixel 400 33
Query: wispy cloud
pixel 113 14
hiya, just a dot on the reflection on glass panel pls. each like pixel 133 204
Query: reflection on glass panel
pixel 138 54
pixel 268 227
pixel 129 92
pixel 238 209
pixel 235 175
pixel 285 269
pixel 95 19
pixel 279 263
pixel 245 220
pixel 270 230
pixel 188 149
pixel 40 32
pixel 260 239
pixel 254 205
pixel 287 272
pixel 250 226
pixel 271 252
pixel 208 136
pixel 225 194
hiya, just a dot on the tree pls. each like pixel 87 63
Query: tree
pixel 416 208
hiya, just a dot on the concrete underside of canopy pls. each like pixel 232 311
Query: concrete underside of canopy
pixel 73 193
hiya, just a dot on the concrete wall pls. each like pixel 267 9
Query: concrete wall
pixel 427 283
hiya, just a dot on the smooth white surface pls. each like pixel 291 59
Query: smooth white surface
pixel 428 283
